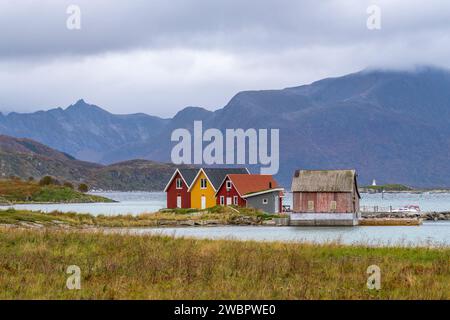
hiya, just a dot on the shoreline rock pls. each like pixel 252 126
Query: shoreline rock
pixel 426 216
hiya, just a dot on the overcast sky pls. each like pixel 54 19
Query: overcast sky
pixel 158 56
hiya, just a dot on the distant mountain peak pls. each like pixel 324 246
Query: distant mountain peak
pixel 79 104
pixel 192 113
pixel 82 106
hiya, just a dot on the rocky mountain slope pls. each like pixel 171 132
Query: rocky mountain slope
pixel 26 158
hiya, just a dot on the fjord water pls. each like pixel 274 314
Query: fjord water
pixel 429 233
pixel 145 202
pixel 127 203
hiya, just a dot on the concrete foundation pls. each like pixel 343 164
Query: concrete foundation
pixel 281 221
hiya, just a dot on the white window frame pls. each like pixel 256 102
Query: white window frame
pixel 205 185
pixel 235 200
pixel 222 200
pixel 265 201
pixel 310 205
pixel 179 183
pixel 228 185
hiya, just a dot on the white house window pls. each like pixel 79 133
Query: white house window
pixel 179 183
pixel 228 185
pixel 235 200
pixel 265 201
pixel 333 205
pixel 222 200
pixel 310 205
pixel 203 183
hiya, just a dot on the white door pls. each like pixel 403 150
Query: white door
pixel 228 201
pixel 178 201
pixel 203 202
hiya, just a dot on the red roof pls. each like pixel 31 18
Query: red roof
pixel 249 183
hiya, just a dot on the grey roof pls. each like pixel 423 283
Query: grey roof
pixel 189 175
pixel 324 181
pixel 217 175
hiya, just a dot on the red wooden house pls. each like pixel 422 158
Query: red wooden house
pixel 251 190
pixel 177 188
pixel 325 191
pixel 325 197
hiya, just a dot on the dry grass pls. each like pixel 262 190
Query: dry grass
pixel 113 266
pixel 220 215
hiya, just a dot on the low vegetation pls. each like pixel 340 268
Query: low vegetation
pixel 45 191
pixel 215 215
pixel 33 265
pixel 390 187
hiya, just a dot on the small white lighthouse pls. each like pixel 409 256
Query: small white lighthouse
pixel 374 183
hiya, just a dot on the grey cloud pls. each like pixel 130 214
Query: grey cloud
pixel 38 28
pixel 158 56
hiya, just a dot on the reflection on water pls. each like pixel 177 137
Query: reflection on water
pixel 430 233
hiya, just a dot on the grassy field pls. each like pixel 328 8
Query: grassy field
pixel 218 215
pixel 33 265
pixel 18 191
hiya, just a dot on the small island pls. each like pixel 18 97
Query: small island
pixel 394 187
pixel 46 190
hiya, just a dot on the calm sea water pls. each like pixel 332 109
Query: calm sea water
pixel 428 234
pixel 129 203
pixel 141 202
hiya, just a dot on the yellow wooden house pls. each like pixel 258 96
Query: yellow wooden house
pixel 205 185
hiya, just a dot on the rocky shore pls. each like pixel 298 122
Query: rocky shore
pixel 426 216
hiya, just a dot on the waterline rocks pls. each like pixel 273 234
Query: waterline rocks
pixel 427 216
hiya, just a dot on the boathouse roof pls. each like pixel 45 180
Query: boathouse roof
pixel 324 181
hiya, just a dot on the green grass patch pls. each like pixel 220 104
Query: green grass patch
pixel 17 191
pixel 33 265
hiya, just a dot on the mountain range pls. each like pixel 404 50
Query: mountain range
pixel 25 158
pixel 392 126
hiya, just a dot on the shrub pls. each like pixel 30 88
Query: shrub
pixel 68 185
pixel 30 179
pixel 83 187
pixel 46 181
